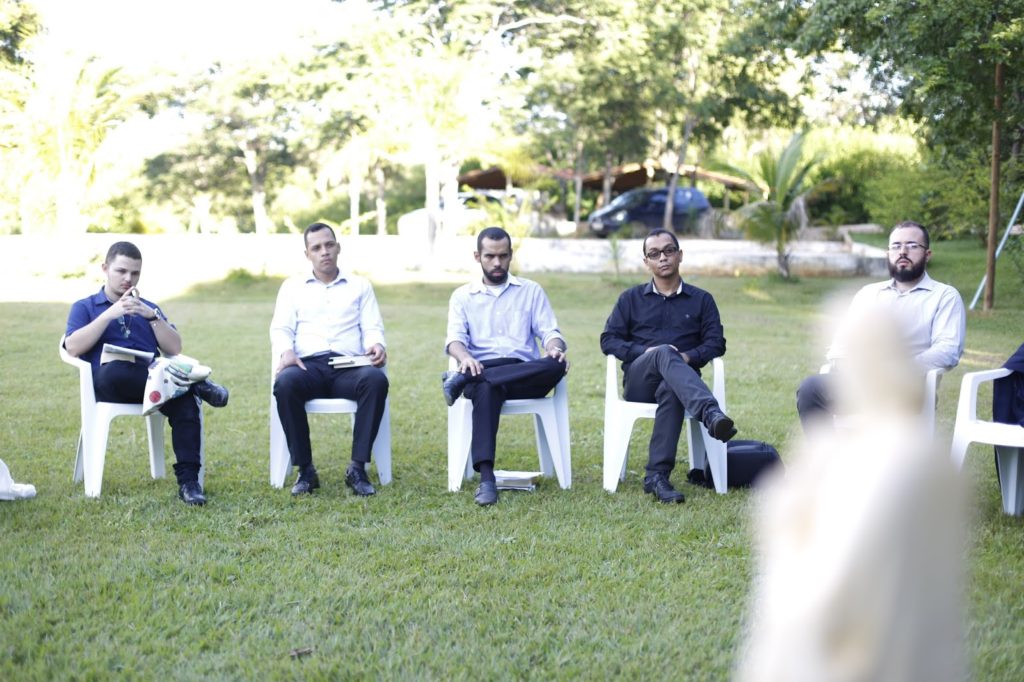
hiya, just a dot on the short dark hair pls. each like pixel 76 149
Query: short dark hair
pixel 316 227
pixel 655 233
pixel 122 249
pixel 911 223
pixel 494 234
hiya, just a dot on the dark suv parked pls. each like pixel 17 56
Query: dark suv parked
pixel 643 210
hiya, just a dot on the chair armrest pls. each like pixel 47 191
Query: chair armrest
pixel 969 386
pixel 87 394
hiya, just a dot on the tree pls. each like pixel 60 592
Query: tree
pixel 781 212
pixel 956 66
pixel 251 124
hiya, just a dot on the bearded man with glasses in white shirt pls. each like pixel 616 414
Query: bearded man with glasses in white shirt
pixel 932 314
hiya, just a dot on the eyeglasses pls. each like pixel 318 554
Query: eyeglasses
pixel 655 254
pixel 911 247
pixel 126 329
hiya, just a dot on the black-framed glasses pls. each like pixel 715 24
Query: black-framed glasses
pixel 655 254
pixel 911 247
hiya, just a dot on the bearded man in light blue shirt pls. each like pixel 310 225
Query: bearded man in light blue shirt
pixel 320 316
pixel 494 326
pixel 931 315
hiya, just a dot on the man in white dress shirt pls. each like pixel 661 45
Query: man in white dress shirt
pixel 931 313
pixel 494 324
pixel 325 314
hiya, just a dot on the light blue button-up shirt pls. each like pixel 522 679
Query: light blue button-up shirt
pixel 501 322
pixel 312 317
pixel 932 316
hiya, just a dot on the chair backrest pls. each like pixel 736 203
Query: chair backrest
pixel 86 392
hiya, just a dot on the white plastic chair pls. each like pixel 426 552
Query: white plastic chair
pixel 280 458
pixel 96 418
pixel 930 400
pixel 620 415
pixel 1008 439
pixel 551 424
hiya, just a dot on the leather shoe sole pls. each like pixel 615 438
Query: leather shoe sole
pixel 452 383
pixel 723 429
pixel 214 394
pixel 486 494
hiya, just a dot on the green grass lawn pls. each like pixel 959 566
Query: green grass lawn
pixel 417 582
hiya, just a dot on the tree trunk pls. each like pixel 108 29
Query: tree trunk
pixel 355 184
pixel 993 197
pixel 577 181
pixel 607 181
pixel 257 180
pixel 673 181
pixel 381 203
pixel 431 201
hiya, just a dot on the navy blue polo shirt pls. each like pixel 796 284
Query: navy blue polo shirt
pixel 128 331
pixel 643 318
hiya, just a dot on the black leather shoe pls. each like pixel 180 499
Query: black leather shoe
pixel 661 488
pixel 452 383
pixel 306 484
pixel 720 426
pixel 191 493
pixel 215 394
pixel 486 493
pixel 355 478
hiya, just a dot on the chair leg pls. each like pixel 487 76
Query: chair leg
pixel 94 454
pixel 459 434
pixel 280 458
pixel 79 453
pixel 543 433
pixel 155 431
pixel 704 447
pixel 549 447
pixel 382 446
pixel 959 449
pixel 617 432
pixel 1011 478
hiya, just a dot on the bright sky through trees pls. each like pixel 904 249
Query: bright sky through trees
pixel 144 34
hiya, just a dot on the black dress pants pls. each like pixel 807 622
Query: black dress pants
pixel 663 377
pixel 368 386
pixel 125 382
pixel 505 379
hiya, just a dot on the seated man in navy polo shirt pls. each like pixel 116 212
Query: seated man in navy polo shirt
pixel 119 316
pixel 664 332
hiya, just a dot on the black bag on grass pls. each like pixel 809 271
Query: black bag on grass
pixel 748 459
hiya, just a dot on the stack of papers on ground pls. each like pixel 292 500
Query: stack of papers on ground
pixel 516 480
pixel 349 361
pixel 111 352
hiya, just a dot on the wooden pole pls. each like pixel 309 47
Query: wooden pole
pixel 993 197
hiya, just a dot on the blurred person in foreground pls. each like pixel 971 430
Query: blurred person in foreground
pixel 118 315
pixel 861 546
pixel 323 314
pixel 930 315
pixel 664 331
pixel 494 325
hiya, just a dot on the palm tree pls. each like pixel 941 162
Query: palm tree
pixel 781 211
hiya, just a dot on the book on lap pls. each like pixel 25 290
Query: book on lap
pixel 349 361
pixel 111 352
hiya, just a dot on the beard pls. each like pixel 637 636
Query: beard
pixel 496 276
pixel 907 274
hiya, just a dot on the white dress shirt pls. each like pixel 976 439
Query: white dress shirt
pixel 501 322
pixel 312 317
pixel 932 314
